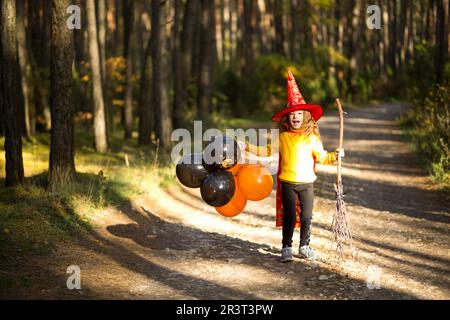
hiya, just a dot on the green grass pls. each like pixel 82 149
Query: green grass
pixel 432 153
pixel 33 220
pixel 426 124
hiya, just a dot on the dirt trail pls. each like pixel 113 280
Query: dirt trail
pixel 170 245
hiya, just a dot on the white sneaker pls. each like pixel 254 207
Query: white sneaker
pixel 286 254
pixel 307 253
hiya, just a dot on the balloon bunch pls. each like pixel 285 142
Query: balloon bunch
pixel 224 183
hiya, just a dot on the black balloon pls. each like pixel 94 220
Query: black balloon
pixel 221 153
pixel 190 170
pixel 218 188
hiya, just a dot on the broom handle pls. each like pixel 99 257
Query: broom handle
pixel 341 140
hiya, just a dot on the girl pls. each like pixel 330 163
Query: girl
pixel 300 146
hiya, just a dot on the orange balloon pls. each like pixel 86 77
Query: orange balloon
pixel 236 204
pixel 255 182
pixel 235 169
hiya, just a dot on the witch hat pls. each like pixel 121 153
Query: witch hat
pixel 296 102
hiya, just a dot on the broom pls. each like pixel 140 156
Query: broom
pixel 339 226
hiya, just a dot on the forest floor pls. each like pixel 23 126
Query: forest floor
pixel 167 244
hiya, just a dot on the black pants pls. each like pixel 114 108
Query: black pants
pixel 305 193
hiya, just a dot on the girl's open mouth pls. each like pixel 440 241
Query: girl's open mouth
pixel 296 122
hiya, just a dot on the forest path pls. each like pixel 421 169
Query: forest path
pixel 171 245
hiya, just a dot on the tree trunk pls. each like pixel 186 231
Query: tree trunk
pixel 314 36
pixel 62 151
pixel 101 10
pixel 100 132
pixel 429 13
pixel 187 50
pixel 128 18
pixel 218 15
pixel 233 32
pixel 294 30
pixel 226 31
pixel 38 40
pixel 412 29
pixel 381 44
pixel 392 8
pixel 249 27
pixel 279 31
pixel 353 42
pixel 110 26
pixel 24 70
pixel 2 120
pixel 160 92
pixel 9 92
pixel 179 104
pixel 441 38
pixel 263 27
pixel 101 22
pixel 386 47
pixel 114 26
pixel 145 107
pixel 204 80
pixel 249 48
pixel 78 42
pixel 240 45
pixel 341 23
pixel 213 39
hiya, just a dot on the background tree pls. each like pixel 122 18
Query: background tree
pixel 179 106
pixel 25 70
pixel 62 149
pixel 187 50
pixel 128 20
pixel 10 93
pixel 206 61
pixel 101 27
pixel 38 34
pixel 146 115
pixel 100 132
pixel 160 88
pixel 442 35
pixel 209 60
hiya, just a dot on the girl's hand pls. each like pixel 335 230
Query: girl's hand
pixel 340 152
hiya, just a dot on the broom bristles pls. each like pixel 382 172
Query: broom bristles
pixel 339 226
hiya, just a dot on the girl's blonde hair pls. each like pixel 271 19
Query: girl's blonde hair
pixel 308 126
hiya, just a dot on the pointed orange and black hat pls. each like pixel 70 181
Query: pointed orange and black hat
pixel 296 102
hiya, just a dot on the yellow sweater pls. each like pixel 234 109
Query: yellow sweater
pixel 297 156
